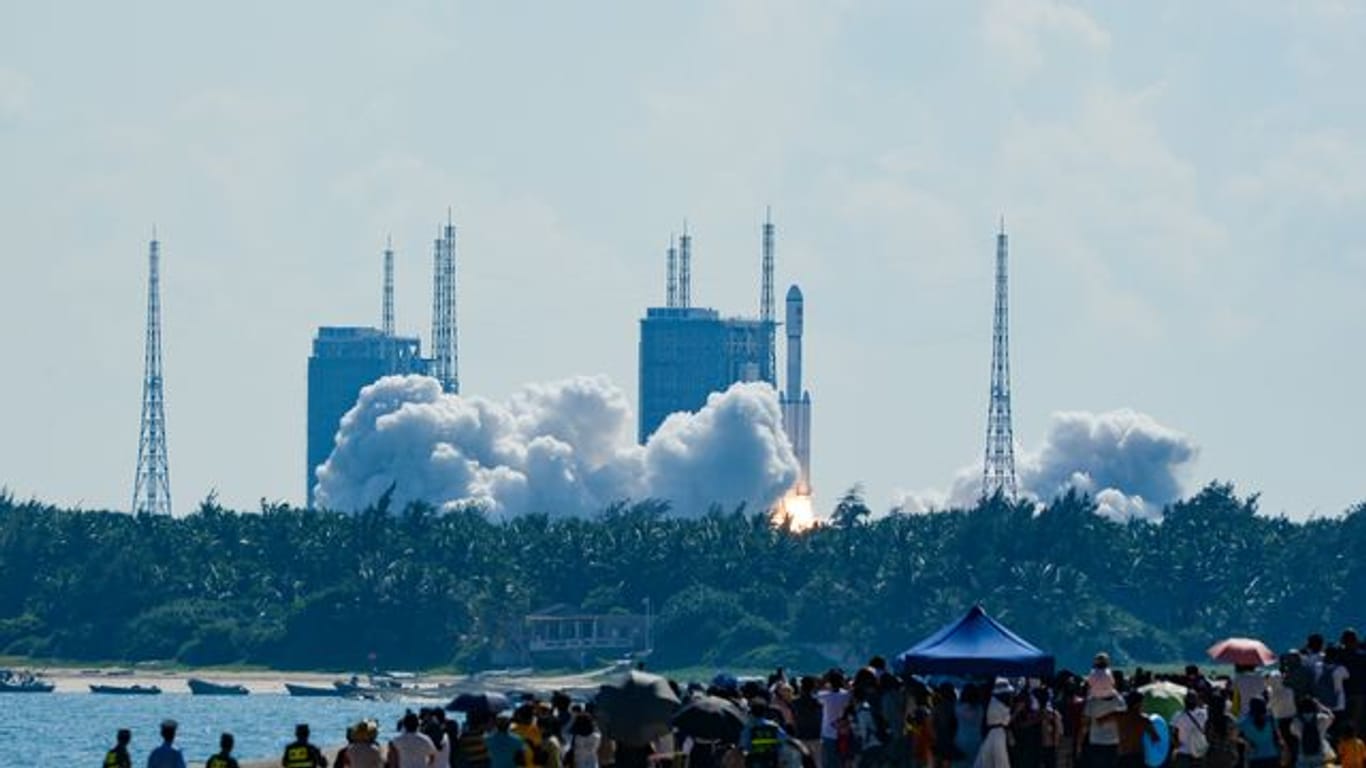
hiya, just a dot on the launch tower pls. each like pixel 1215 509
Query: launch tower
pixel 445 341
pixel 998 469
pixel 152 483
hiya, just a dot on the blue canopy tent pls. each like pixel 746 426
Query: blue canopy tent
pixel 975 646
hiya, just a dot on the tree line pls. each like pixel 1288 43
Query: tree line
pixel 294 588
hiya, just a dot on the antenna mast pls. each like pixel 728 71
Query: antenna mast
pixel 445 349
pixel 152 482
pixel 671 266
pixel 685 268
pixel 388 316
pixel 998 469
pixel 766 296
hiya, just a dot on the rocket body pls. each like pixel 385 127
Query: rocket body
pixel 796 402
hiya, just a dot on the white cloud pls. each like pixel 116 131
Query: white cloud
pixel 1128 462
pixel 563 448
pixel 1021 30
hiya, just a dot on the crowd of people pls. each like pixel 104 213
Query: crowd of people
pixel 1309 711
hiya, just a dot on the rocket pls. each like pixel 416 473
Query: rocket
pixel 796 402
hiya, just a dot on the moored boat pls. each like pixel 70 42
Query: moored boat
pixel 295 689
pixel 126 690
pixel 23 683
pixel 200 687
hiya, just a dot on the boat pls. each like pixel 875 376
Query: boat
pixel 126 690
pixel 200 687
pixel 24 682
pixel 295 689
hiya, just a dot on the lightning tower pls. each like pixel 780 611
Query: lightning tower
pixel 152 483
pixel 998 469
pixel 671 281
pixel 445 348
pixel 685 269
pixel 766 294
pixel 387 323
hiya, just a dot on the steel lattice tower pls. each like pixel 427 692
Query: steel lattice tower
pixel 387 320
pixel 671 278
pixel 998 470
pixel 684 296
pixel 445 349
pixel 152 484
pixel 766 295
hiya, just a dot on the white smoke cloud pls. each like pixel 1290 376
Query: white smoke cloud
pixel 1130 464
pixel 563 449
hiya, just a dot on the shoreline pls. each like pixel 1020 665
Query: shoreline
pixel 78 679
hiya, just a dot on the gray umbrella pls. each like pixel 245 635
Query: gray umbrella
pixel 637 709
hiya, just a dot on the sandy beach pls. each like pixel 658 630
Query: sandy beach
pixel 79 680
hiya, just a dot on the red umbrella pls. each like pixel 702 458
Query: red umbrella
pixel 1242 650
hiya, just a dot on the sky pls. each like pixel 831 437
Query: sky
pixel 1182 183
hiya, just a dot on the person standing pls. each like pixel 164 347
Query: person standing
pixel 762 738
pixel 1247 685
pixel 1188 731
pixel 411 749
pixel 224 758
pixel 807 714
pixel 1100 731
pixel 1354 658
pixel 118 757
pixel 361 750
pixel 834 700
pixel 504 749
pixel 1311 729
pixel 584 741
pixel 1135 729
pixel 168 754
pixel 300 754
pixel 1262 737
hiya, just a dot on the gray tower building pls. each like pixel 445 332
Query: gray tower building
pixel 344 361
pixel 687 352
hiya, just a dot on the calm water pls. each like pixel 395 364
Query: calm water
pixel 76 729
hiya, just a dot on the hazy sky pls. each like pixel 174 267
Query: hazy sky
pixel 1183 182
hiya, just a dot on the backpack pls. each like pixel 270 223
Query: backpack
pixel 1311 741
pixel 1324 690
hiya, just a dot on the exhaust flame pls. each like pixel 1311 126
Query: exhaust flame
pixel 797 511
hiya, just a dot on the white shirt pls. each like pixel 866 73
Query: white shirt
pixel 1249 686
pixel 364 755
pixel 415 750
pixel 832 706
pixel 1189 725
pixel 586 750
pixel 1340 673
pixel 1282 698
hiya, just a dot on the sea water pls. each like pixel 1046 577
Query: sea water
pixel 75 729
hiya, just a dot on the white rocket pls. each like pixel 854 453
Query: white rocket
pixel 796 402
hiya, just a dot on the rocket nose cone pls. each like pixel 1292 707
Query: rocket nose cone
pixel 794 294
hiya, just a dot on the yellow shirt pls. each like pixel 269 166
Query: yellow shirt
pixel 1351 753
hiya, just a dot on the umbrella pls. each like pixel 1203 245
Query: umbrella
pixel 712 718
pixel 482 703
pixel 1163 698
pixel 637 709
pixel 1242 650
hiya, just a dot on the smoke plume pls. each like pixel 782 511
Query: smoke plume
pixel 1130 464
pixel 563 449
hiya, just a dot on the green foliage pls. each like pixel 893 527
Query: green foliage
pixel 293 588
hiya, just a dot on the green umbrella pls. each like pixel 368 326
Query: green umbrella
pixel 1163 698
